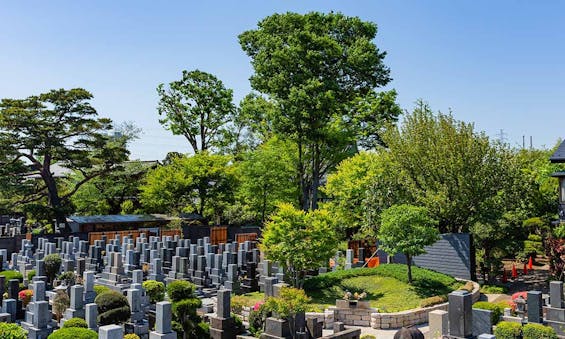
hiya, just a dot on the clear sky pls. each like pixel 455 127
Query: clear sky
pixel 499 64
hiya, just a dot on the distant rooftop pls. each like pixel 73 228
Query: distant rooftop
pixel 559 155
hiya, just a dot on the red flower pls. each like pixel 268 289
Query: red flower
pixel 258 305
pixel 523 294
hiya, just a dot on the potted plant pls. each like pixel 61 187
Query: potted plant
pixel 352 300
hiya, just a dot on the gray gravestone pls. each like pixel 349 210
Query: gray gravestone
pixel 535 303
pixel 556 294
pixel 482 321
pixel 460 314
pixel 111 332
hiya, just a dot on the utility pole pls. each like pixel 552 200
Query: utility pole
pixel 502 136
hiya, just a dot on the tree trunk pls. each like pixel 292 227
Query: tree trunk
pixel 315 177
pixel 409 263
pixel 53 197
pixel 303 200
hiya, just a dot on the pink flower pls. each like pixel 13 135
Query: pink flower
pixel 258 305
pixel 523 295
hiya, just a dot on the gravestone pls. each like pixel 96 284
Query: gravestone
pixel 76 309
pixel 41 321
pixel 91 313
pixel 535 303
pixel 110 332
pixel 482 321
pixel 89 293
pixel 163 329
pixel 10 306
pixel 222 325
pixel 438 323
pixel 460 314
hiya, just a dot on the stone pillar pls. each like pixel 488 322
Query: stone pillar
pixel 163 322
pixel 460 314
pixel 556 294
pixel 222 324
pixel 111 332
pixel 535 303
pixel 91 313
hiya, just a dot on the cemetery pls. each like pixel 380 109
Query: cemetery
pixel 312 200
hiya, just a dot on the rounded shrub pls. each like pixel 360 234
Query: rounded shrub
pixel 496 309
pixel 368 336
pixel 538 331
pixel 179 290
pixel 508 330
pixel 12 331
pixel 155 290
pixel 75 322
pixel 67 278
pixel 9 275
pixel 99 289
pixel 52 265
pixel 113 308
pixel 73 333
pixel 131 336
pixel 30 275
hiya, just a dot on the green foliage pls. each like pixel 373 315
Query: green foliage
pixel 12 331
pixel 317 69
pixel 113 308
pixel 493 289
pixel 532 248
pixel 184 311
pixel 497 309
pixel 67 278
pixel 60 303
pixel 180 290
pixel 538 331
pixel 131 336
pixel 202 183
pixel 99 289
pixel 368 336
pixel 58 126
pixel 155 290
pixel 263 185
pixel 290 302
pixel 299 240
pixel 197 107
pixel 73 333
pixel 9 275
pixel 508 330
pixel 396 271
pixel 407 229
pixel 52 265
pixel 109 193
pixel 257 318
pixel 30 275
pixel 75 322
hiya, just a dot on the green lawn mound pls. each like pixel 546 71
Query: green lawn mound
pixel 386 286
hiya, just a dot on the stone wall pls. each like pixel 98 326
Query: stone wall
pixel 413 317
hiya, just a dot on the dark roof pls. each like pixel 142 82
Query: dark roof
pixel 559 155
pixel 119 218
pixel 558 174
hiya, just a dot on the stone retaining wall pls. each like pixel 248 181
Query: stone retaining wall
pixel 412 317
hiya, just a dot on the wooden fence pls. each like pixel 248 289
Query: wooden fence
pixel 218 235
pixel 93 236
pixel 243 237
pixel 369 245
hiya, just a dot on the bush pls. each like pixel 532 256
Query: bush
pixel 257 319
pixel 131 336
pixel 12 331
pixel 493 289
pixel 52 265
pixel 368 336
pixel 73 333
pixel 467 287
pixel 431 301
pixel 538 331
pixel 67 278
pixel 497 309
pixel 60 303
pixel 113 308
pixel 99 289
pixel 237 303
pixel 507 330
pixel 9 275
pixel 179 290
pixel 155 290
pixel 30 275
pixel 75 322
pixel 397 271
pixel 238 324
pixel 290 302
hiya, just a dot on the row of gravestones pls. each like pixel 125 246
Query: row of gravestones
pixel 463 321
pixel 231 265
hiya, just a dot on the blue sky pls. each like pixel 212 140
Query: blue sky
pixel 499 64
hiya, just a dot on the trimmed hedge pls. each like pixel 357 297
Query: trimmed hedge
pixel 538 331
pixel 431 301
pixel 12 331
pixel 155 290
pixel 508 330
pixel 113 308
pixel 396 271
pixel 131 336
pixel 75 322
pixel 179 290
pixel 496 308
pixel 9 275
pixel 73 333
pixel 99 289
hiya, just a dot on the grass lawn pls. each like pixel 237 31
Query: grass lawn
pixel 386 288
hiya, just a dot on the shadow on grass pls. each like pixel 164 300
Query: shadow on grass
pixel 426 288
pixel 329 295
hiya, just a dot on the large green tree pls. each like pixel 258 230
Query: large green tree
pixel 317 68
pixel 299 240
pixel 199 108
pixel 453 170
pixel 407 229
pixel 61 127
pixel 267 177
pixel 202 183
